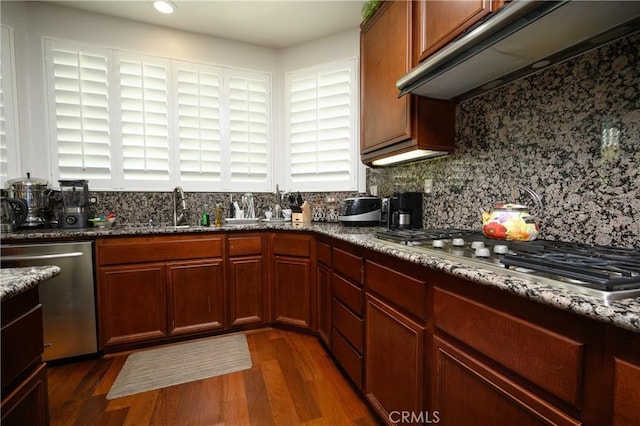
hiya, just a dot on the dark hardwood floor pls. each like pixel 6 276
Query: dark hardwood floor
pixel 292 381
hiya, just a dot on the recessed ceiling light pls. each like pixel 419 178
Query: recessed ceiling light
pixel 164 6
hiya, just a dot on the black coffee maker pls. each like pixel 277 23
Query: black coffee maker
pixel 402 210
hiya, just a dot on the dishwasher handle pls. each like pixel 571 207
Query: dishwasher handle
pixel 42 256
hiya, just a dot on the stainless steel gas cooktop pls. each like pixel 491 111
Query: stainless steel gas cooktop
pixel 609 273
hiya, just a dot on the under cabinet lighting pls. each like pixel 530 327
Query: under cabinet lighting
pixel 408 156
pixel 164 6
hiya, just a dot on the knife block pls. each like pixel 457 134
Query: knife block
pixel 303 217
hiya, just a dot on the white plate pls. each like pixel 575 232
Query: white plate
pixel 276 220
pixel 236 221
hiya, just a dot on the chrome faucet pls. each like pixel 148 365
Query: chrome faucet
pixel 179 204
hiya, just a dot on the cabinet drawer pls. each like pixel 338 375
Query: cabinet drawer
pixel 347 293
pixel 348 324
pixel 348 358
pixel 550 360
pixel 406 292
pixel 292 246
pixel 324 254
pixel 348 265
pixel 119 251
pixel 244 245
pixel 21 344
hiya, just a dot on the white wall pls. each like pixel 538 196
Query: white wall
pixel 33 21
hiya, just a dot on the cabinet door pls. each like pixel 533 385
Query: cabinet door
pixel 440 21
pixel 626 393
pixel 196 296
pixel 394 360
pixel 291 291
pixel 385 57
pixel 246 291
pixel 324 304
pixel 132 303
pixel 468 392
pixel 28 403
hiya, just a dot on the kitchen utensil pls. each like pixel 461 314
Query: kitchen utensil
pixel 510 221
pixel 13 211
pixel 35 194
pixel 102 222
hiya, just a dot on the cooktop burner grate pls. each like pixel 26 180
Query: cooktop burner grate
pixel 600 267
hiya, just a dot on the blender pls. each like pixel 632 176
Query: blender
pixel 75 202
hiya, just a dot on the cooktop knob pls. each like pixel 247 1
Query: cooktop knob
pixel 458 242
pixel 500 249
pixel 482 252
pixel 477 245
pixel 437 243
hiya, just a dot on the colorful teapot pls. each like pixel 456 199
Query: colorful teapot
pixel 513 222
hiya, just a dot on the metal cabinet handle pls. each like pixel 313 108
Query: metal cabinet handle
pixel 42 256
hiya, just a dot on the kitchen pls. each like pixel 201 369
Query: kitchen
pixel 544 131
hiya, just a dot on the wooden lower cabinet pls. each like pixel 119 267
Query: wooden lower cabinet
pixel 324 304
pixel 132 304
pixel 470 392
pixel 23 374
pixel 291 291
pixel 195 296
pixel 293 280
pixel 394 362
pixel 625 362
pixel 246 291
pixel 28 403
pixel 626 393
pixel 247 282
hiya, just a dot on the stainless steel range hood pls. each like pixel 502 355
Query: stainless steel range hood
pixel 521 38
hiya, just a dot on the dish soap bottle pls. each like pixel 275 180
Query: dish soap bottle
pixel 218 215
pixel 205 220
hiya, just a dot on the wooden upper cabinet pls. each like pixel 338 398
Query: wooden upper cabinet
pixel 389 124
pixel 386 56
pixel 438 22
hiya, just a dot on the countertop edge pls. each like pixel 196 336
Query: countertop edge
pixel 621 313
pixel 14 281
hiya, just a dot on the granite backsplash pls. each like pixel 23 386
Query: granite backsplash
pixel 138 208
pixel 571 133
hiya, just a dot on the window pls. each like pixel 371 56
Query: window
pixel 144 117
pixel 249 135
pixel 80 118
pixel 322 128
pixel 198 91
pixel 126 121
pixel 9 147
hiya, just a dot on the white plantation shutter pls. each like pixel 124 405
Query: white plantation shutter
pixel 9 164
pixel 198 93
pixel 79 109
pixel 144 109
pixel 321 111
pixel 249 130
pixel 126 121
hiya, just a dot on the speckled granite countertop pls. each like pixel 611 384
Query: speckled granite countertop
pixel 622 313
pixel 14 281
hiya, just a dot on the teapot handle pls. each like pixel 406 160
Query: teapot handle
pixel 539 208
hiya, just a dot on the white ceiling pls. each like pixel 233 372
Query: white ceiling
pixel 268 23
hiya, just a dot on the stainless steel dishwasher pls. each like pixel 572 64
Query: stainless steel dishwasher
pixel 68 300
